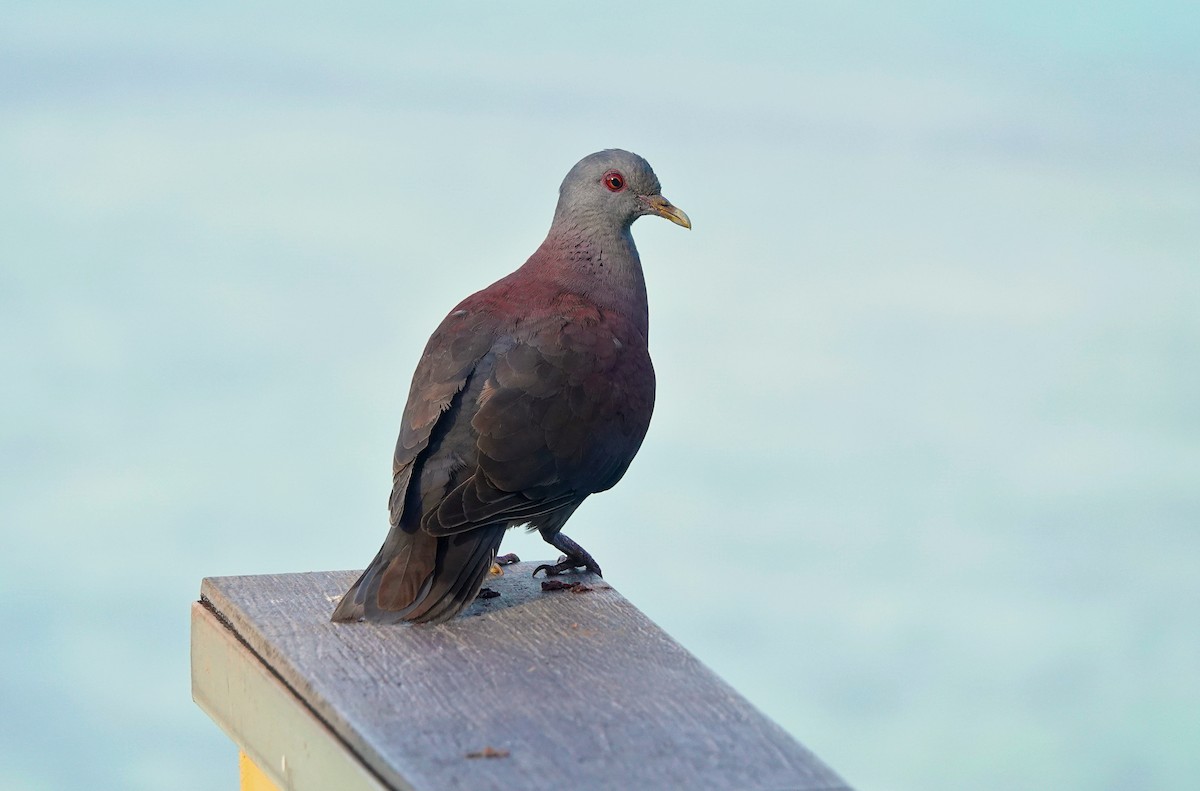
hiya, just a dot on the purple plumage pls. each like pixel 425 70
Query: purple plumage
pixel 531 395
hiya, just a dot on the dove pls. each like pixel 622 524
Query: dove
pixel 530 396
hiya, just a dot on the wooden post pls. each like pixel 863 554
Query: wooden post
pixel 531 689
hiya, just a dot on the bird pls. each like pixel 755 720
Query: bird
pixel 531 395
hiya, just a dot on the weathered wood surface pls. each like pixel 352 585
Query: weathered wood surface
pixel 280 735
pixel 566 690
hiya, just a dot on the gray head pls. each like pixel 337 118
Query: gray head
pixel 613 188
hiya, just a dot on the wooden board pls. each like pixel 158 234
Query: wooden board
pixel 275 730
pixel 530 690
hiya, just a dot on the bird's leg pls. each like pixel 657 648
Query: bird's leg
pixel 575 557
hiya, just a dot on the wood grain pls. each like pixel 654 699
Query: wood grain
pixel 531 690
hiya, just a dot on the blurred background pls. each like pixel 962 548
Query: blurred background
pixel 924 477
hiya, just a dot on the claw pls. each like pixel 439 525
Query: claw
pixel 573 557
pixel 556 569
pixel 566 564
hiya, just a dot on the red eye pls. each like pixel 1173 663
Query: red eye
pixel 614 181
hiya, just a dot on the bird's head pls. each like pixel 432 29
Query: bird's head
pixel 613 188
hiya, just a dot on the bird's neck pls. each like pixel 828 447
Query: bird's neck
pixel 599 264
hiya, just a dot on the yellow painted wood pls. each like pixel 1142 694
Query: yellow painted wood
pixel 253 778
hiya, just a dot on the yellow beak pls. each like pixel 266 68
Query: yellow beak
pixel 664 208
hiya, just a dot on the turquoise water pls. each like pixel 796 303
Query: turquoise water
pixel 923 478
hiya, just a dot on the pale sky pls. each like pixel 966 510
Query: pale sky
pixel 922 478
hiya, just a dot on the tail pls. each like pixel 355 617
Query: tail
pixel 422 578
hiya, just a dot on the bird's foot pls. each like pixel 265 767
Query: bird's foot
pixel 574 557
pixel 564 565
pixel 503 560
